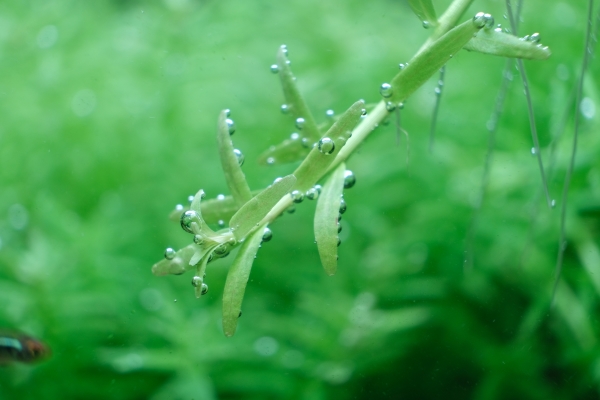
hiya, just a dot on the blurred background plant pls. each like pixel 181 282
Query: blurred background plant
pixel 108 118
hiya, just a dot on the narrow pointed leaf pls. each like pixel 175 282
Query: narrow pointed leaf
pixel 237 279
pixel 326 219
pixel 293 99
pixel 236 180
pixel 499 43
pixel 178 265
pixel 248 217
pixel 315 165
pixel 424 10
pixel 430 60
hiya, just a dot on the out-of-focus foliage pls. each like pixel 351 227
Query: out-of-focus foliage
pixel 108 116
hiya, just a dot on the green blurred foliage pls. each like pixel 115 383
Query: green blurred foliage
pixel 108 117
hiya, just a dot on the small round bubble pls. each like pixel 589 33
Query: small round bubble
pixel 329 113
pixel 390 106
pixel 284 49
pixel 240 156
pixel 326 146
pixel 339 229
pixel 285 108
pixel 220 197
pixel 198 239
pixel 386 90
pixel 297 196
pixel 318 188
pixel 274 68
pixel 479 20
pixel 204 289
pixel 339 242
pixel 534 38
pixel 291 209
pixel 221 223
pixel 267 235
pixel 295 136
pixel 349 179
pixel 189 217
pixel 230 126
pixel 271 160
pixel 179 207
pixel 312 193
pixel 170 253
pixel 305 143
pixel 363 112
pixel 426 24
pixel 402 66
pixel 300 122
pixel 196 281
pixel 343 206
pixel 278 179
pixel 227 112
pixel 437 91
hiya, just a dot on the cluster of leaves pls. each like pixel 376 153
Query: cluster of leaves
pixel 105 132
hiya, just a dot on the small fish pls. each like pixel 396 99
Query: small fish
pixel 21 348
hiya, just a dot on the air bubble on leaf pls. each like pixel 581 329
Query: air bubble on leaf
pixel 339 227
pixel 297 196
pixel 390 106
pixel 402 66
pixel 271 160
pixel 426 24
pixel 326 146
pixel 221 251
pixel 278 179
pixel 285 109
pixel 437 91
pixel 318 188
pixel 204 289
pixel 386 90
pixel 329 113
pixel 305 142
pixel 169 253
pixel 312 194
pixel 587 108
pixel 179 207
pixel 196 281
pixel 188 218
pixel 339 218
pixel 400 106
pixel 295 136
pixel 230 126
pixel 291 209
pixel 198 239
pixel 343 206
pixel 553 203
pixel 534 37
pixel 339 242
pixel 300 123
pixel 284 49
pixel 349 179
pixel 267 235
pixel 221 223
pixel 363 112
pixel 220 197
pixel 190 198
pixel 227 112
pixel 240 156
pixel 533 152
pixel 274 68
pixel 481 20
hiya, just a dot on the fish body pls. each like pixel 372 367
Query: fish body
pixel 21 348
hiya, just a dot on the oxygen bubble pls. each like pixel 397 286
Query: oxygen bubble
pixel 312 193
pixel 230 126
pixel 189 217
pixel 587 108
pixel 227 112
pixel 271 160
pixel 267 235
pixel 533 152
pixel 489 21
pixel 240 156
pixel 318 188
pixel 339 218
pixel 553 203
pixel 390 106
pixel 277 180
pixel 297 196
pixel 343 206
pixel 349 179
pixel 220 197
pixel 386 90
pixel 300 123
pixel 204 289
pixel 363 112
pixel 291 209
pixel 329 113
pixel 221 250
pixel 326 146
pixel 534 37
pixel 274 68
pixel 402 66
pixel 305 143
pixel 179 207
pixel 339 227
pixel 221 223
pixel 400 106
pixel 438 91
pixel 170 253
pixel 196 281
pixel 284 49
pixel 426 24
pixel 285 108
pixel 198 239
pixel 295 136
pixel 480 20
pixel 339 242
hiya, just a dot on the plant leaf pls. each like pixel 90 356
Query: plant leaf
pixel 424 10
pixel 248 217
pixel 236 180
pixel 293 99
pixel 430 60
pixel 316 163
pixel 237 279
pixel 326 219
pixel 499 43
pixel 178 265
pixel 288 151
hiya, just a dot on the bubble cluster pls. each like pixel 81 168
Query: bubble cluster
pixel 326 146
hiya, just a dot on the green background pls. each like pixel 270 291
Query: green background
pixel 108 115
